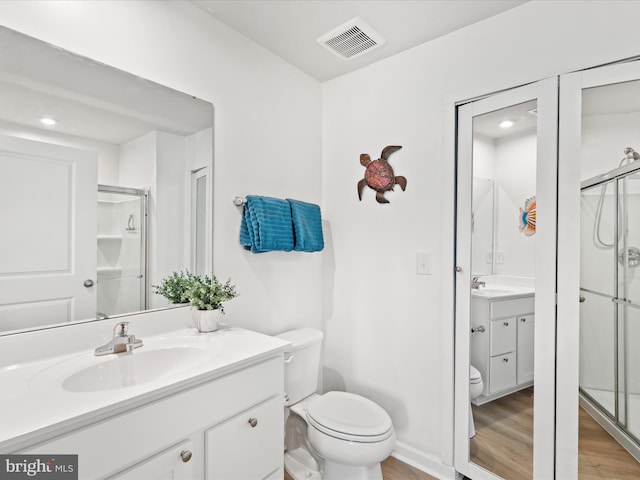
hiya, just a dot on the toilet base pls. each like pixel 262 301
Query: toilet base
pixel 337 471
pixel 300 465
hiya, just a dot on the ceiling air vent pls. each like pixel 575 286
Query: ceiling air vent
pixel 351 39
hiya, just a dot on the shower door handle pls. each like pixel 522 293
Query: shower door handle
pixel 88 283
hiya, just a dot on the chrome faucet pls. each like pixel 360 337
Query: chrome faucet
pixel 476 283
pixel 121 341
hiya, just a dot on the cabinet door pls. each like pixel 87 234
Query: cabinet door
pixel 502 372
pixel 248 446
pixel 174 463
pixel 525 348
pixel 503 336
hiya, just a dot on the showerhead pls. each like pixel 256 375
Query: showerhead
pixel 631 154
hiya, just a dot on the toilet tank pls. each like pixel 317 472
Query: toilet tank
pixel 301 363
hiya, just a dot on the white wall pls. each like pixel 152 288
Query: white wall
pixel 267 128
pixel 390 331
pixel 515 176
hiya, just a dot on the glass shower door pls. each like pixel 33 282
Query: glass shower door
pixel 121 251
pixel 610 287
pixel 598 289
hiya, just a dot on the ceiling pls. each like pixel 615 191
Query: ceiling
pixel 289 28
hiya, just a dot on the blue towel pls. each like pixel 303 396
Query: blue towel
pixel 307 226
pixel 266 225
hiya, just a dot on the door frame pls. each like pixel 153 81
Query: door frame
pixel 546 94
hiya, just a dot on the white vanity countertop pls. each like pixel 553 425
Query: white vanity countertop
pixel 501 292
pixel 34 404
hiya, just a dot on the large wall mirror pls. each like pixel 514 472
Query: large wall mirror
pixel 105 187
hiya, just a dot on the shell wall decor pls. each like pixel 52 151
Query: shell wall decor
pixel 379 174
pixel 528 217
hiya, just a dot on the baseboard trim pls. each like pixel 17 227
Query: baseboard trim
pixel 423 461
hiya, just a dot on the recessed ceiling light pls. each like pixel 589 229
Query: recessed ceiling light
pixel 48 121
pixel 506 124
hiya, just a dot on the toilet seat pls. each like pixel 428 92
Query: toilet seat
pixel 474 375
pixel 349 417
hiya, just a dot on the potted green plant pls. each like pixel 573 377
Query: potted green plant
pixel 175 287
pixel 207 296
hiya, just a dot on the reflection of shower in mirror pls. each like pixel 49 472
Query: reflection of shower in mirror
pixel 131 226
pixel 633 253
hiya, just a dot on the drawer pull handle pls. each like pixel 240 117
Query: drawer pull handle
pixel 523 319
pixel 479 328
pixel 506 324
pixel 186 455
pixel 253 422
pixel 505 360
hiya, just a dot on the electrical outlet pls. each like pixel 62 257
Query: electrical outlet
pixel 423 263
pixel 488 257
pixel 499 257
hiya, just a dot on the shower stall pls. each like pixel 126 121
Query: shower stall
pixel 122 252
pixel 610 301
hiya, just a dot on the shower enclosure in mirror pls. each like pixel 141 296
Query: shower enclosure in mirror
pixel 505 289
pixel 64 130
pixel 122 250
pixel 609 358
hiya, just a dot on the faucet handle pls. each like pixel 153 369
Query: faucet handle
pixel 120 329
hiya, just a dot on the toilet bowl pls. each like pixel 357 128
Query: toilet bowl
pixel 475 389
pixel 335 436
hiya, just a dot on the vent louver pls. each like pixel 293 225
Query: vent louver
pixel 351 39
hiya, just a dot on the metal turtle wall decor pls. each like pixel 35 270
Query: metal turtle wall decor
pixel 379 175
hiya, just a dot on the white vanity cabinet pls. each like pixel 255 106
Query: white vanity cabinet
pixel 225 429
pixel 502 344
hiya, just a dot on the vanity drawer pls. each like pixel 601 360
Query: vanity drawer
pixel 502 336
pixel 510 308
pixel 502 372
pixel 247 446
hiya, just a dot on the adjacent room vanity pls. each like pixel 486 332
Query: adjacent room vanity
pixel 185 405
pixel 502 334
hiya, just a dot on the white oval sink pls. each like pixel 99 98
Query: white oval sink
pixel 133 369
pixel 158 358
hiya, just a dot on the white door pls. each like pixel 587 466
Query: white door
pixel 599 119
pixel 48 199
pixel 535 103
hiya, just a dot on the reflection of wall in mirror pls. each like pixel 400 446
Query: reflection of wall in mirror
pixel 162 162
pixel 511 162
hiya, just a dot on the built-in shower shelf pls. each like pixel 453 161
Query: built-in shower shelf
pixel 109 237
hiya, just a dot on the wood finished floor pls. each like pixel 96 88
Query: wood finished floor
pixel 503 442
pixel 394 469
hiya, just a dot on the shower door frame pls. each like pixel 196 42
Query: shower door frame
pixel 611 421
pixel 569 196
pixel 144 199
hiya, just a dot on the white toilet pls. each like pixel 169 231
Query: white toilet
pixel 335 436
pixel 475 389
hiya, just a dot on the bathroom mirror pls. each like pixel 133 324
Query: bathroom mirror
pixel 504 149
pixel 482 226
pixel 68 125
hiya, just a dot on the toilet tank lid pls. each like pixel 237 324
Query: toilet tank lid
pixel 301 337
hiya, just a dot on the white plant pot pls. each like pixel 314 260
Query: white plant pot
pixel 207 320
